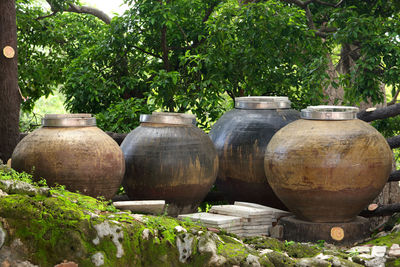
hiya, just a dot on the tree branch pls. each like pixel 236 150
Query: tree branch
pixel 197 43
pixel 47 16
pixel 394 98
pixel 164 47
pixel 82 10
pixel 383 210
pixel 378 114
pixel 118 137
pixel 322 32
pixel 209 12
pixel 296 2
pixel 310 21
pixel 146 52
pixel 194 45
pixel 325 3
pixel 394 142
pixel 89 10
pixel 394 176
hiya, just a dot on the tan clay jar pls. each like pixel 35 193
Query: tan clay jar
pixel 70 150
pixel 328 166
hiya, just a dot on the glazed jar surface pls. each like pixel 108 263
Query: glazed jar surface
pixel 327 170
pixel 240 137
pixel 169 158
pixel 72 151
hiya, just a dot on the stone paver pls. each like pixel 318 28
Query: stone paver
pixel 242 211
pixel 143 206
pixel 276 212
pixel 211 219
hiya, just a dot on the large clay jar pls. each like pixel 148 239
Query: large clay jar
pixel 240 137
pixel 167 157
pixel 70 150
pixel 329 165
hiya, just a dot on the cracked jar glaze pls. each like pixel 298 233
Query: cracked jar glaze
pixel 169 158
pixel 240 137
pixel 70 150
pixel 327 166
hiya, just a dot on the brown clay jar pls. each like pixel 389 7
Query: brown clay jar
pixel 328 166
pixel 167 157
pixel 70 150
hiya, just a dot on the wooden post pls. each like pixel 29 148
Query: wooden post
pixel 9 95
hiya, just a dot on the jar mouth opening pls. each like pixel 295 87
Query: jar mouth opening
pixel 329 113
pixel 68 120
pixel 168 118
pixel 262 102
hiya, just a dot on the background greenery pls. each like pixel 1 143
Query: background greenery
pixel 196 56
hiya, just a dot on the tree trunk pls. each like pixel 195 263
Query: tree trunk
pixel 9 95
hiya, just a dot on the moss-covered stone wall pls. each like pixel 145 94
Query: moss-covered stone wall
pixel 42 226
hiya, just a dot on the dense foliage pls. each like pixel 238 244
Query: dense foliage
pixel 196 56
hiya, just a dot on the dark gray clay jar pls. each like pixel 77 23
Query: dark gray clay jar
pixel 240 137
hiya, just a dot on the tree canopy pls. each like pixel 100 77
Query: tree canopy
pixel 198 55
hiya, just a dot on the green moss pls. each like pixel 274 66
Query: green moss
pixel 63 225
pixel 265 243
pixel 389 240
pixel 264 261
pixel 234 252
pixel 298 250
pixel 393 263
pixel 7 173
pixel 293 249
pixel 280 260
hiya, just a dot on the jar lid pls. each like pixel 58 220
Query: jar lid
pixel 68 120
pixel 329 113
pixel 169 118
pixel 262 102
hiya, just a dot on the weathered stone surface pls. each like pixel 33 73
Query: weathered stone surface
pixel 276 231
pixel 184 243
pixel 98 259
pixel 280 259
pixel 43 230
pixel 146 234
pixel 2 193
pixel 115 232
pixel 360 249
pixel 207 246
pixel 180 229
pixel 376 262
pixel 378 251
pixel 252 261
pixel 67 264
pixel 307 262
pixel 394 251
pixel 19 187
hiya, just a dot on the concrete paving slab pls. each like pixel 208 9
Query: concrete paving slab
pixel 142 206
pixel 259 221
pixel 213 220
pixel 241 211
pixel 258 206
pixel 256 227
